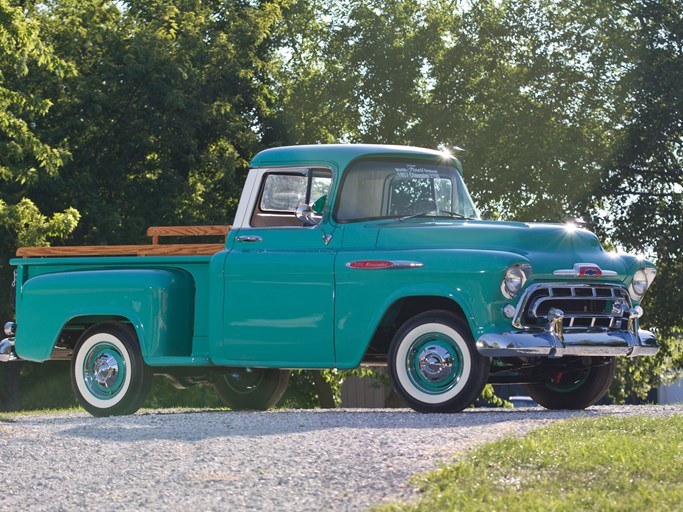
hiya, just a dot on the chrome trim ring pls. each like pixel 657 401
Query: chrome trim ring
pixel 244 380
pixel 104 371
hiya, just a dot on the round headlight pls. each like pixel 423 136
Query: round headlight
pixel 639 283
pixel 513 281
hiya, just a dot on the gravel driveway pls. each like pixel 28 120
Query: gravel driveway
pixel 217 460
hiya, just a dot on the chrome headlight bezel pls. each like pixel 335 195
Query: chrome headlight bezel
pixel 641 281
pixel 514 279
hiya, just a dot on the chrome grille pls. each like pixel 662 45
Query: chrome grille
pixel 585 306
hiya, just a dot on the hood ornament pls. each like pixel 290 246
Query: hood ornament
pixel 584 270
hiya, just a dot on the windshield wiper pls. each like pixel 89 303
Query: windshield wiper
pixel 414 215
pixel 436 213
pixel 453 215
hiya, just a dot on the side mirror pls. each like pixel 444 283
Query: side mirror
pixel 305 214
pixel 308 217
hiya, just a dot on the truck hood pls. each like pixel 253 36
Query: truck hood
pixel 547 247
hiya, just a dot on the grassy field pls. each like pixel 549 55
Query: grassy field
pixel 610 463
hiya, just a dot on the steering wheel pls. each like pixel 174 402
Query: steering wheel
pixel 424 206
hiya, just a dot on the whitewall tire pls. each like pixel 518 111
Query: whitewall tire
pixel 108 374
pixel 434 363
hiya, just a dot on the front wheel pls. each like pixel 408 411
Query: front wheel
pixel 434 363
pixel 251 388
pixel 577 386
pixel 108 375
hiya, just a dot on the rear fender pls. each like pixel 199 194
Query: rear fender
pixel 159 304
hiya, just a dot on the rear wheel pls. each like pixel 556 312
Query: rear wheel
pixel 251 388
pixel 108 375
pixel 576 387
pixel 434 363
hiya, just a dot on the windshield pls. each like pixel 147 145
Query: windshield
pixel 393 189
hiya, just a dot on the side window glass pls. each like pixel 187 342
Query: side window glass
pixel 320 188
pixel 282 192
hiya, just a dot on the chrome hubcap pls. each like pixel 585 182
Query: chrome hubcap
pixel 106 370
pixel 435 363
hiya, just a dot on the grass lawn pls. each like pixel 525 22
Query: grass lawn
pixel 633 463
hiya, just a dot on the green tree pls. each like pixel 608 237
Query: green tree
pixel 353 71
pixel 163 114
pixel 520 84
pixel 642 182
pixel 643 179
pixel 26 154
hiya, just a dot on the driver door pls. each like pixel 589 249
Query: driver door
pixel 279 284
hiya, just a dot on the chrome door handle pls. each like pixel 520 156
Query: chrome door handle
pixel 249 238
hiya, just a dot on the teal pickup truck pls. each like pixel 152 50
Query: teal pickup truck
pixel 338 256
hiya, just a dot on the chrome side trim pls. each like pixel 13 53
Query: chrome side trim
pixel 383 265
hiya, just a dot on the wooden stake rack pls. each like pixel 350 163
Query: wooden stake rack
pixel 153 249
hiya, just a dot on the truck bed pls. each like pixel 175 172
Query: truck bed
pixel 80 277
pixel 153 249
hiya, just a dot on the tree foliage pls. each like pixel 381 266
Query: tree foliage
pixel 26 153
pixel 164 111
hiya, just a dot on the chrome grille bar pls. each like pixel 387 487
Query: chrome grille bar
pixel 585 305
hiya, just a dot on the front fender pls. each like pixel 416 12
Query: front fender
pixel 363 296
pixel 159 303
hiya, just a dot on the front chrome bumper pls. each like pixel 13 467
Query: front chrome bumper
pixel 554 340
pixel 548 343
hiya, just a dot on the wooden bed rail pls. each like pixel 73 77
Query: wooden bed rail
pixel 153 249
pixel 156 231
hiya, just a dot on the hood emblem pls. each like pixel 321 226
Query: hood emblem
pixel 584 270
